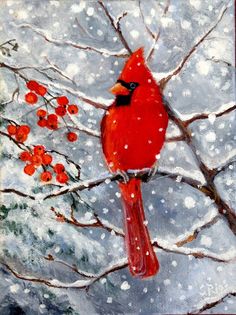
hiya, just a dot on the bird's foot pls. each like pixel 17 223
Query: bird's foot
pixel 151 173
pixel 124 176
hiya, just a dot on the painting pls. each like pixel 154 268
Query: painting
pixel 118 146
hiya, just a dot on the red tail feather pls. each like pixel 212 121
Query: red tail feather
pixel 142 259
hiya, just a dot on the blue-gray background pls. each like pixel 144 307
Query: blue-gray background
pixel 52 38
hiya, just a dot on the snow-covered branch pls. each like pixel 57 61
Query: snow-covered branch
pixel 159 244
pixel 214 302
pixel 224 109
pixel 78 284
pixel 116 26
pixel 178 69
pixel 47 37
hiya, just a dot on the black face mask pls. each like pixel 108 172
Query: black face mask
pixel 124 100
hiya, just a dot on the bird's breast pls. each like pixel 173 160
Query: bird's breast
pixel 133 136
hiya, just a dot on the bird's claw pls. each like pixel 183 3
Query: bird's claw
pixel 124 175
pixel 151 173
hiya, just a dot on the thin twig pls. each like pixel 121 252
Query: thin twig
pixel 165 80
pixel 116 27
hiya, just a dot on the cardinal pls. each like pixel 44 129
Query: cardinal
pixel 132 134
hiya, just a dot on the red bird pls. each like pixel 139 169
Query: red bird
pixel 133 132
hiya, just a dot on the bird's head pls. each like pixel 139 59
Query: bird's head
pixel 134 74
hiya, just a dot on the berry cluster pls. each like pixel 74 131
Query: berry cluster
pixel 46 119
pixel 39 157
pixel 19 132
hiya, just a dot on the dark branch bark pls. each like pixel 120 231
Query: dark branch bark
pixel 116 28
pixel 208 306
pixel 164 81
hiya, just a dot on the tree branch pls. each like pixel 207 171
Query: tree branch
pixel 115 26
pixel 227 108
pixel 209 189
pixel 56 42
pixel 208 306
pixel 165 80
pixel 79 284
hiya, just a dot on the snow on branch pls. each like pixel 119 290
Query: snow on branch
pixel 213 302
pixel 116 26
pixel 46 36
pixel 209 189
pixel 17 71
pixel 159 244
pixel 223 110
pixel 78 284
pixel 177 70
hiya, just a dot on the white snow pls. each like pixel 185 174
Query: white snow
pixel 203 67
pixel 210 136
pixel 90 11
pixel 189 202
pixel 212 118
pixel 206 241
pixel 14 288
pixel 125 286
pixel 134 34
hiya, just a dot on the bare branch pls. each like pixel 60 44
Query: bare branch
pixel 116 27
pixel 165 80
pixel 19 144
pixel 97 222
pixel 229 108
pixel 150 54
pixel 155 36
pixel 195 233
pixel 68 160
pixel 174 139
pixel 142 174
pixel 78 284
pixel 72 267
pixel 149 31
pixel 228 64
pixel 17 192
pixel 56 42
pixel 166 7
pixel 208 306
pixel 161 244
pixel 209 189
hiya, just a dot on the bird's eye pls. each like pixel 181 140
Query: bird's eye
pixel 132 85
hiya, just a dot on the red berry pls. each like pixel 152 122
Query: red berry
pixel 62 178
pixel 41 90
pixel 21 136
pixel 32 85
pixel 52 117
pixel 39 150
pixel 29 169
pixel 60 111
pixel 41 113
pixel 47 159
pixel 11 129
pixel 71 136
pixel 42 123
pixel 58 168
pixel 24 128
pixel 31 98
pixel 62 100
pixel 36 160
pixel 52 122
pixel 25 156
pixel 46 176
pixel 73 109
pixel 53 125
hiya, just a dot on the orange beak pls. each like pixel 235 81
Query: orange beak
pixel 119 89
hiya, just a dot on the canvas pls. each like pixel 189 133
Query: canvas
pixel 118 132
